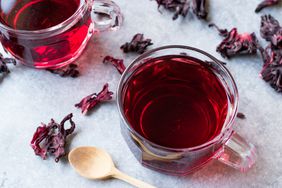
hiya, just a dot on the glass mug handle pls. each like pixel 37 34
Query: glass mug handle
pixel 106 9
pixel 237 153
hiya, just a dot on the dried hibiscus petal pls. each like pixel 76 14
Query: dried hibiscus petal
pixel 117 63
pixel 51 139
pixel 179 7
pixel 137 44
pixel 68 71
pixel 240 115
pixel 89 102
pixel 235 43
pixel 199 8
pixel 266 3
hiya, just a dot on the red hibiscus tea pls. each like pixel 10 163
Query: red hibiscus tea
pixel 50 47
pixel 175 101
pixel 177 111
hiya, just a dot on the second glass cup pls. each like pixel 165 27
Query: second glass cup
pixel 177 106
pixel 52 33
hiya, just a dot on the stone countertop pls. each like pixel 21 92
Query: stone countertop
pixel 29 96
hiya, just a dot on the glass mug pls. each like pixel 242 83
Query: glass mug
pixel 227 146
pixel 53 46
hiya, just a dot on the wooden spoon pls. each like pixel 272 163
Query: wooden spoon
pixel 95 163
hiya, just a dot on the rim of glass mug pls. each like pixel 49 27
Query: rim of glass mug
pixel 230 117
pixel 54 30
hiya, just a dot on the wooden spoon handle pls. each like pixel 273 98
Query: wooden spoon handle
pixel 137 183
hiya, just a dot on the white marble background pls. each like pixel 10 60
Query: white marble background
pixel 29 96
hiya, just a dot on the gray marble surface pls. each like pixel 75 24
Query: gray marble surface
pixel 29 96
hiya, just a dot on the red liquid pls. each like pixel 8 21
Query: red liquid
pixel 37 15
pixel 175 101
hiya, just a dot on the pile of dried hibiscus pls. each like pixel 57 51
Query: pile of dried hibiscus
pixel 236 44
pixel 271 72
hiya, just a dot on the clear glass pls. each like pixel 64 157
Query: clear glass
pixel 61 44
pixel 228 147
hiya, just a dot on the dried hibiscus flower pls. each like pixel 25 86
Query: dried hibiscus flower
pixel 235 44
pixel 117 63
pixel 137 44
pixel 51 139
pixel 89 102
pixel 272 69
pixel 179 7
pixel 4 69
pixel 271 30
pixel 68 71
pixel 272 55
pixel 266 3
